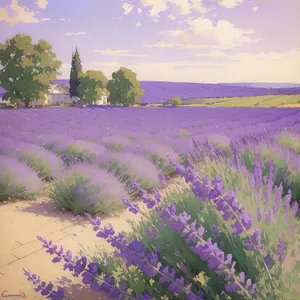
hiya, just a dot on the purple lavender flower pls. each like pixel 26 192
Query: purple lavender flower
pixel 257 174
pixel 162 179
pixel 46 290
pixel 134 208
pixel 214 229
pixel 281 249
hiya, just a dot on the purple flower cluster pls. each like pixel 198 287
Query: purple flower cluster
pixel 45 289
pixel 208 251
pixel 79 266
pixel 135 254
pixel 150 203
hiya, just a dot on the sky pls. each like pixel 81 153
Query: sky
pixel 208 41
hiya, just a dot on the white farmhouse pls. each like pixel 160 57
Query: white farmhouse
pixel 102 100
pixel 56 95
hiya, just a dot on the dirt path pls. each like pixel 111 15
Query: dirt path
pixel 21 222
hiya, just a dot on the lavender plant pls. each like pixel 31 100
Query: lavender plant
pixel 46 164
pixel 128 167
pixel 115 143
pixel 17 179
pixel 84 188
pixel 79 151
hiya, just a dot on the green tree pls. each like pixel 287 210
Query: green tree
pixel 27 69
pixel 92 85
pixel 124 88
pixel 176 101
pixel 76 69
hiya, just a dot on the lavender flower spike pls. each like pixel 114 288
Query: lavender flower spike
pixel 47 290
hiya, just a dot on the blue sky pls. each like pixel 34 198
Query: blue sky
pixel 170 40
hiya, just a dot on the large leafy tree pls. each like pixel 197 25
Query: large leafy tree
pixel 76 69
pixel 124 88
pixel 27 69
pixel 92 86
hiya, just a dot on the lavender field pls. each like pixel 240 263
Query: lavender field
pixel 236 174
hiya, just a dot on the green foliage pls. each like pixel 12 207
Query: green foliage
pixel 92 86
pixel 124 88
pixel 76 69
pixel 27 69
pixel 176 101
pixel 183 133
pixel 289 141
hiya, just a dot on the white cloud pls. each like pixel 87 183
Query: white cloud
pixel 42 3
pixel 179 7
pixel 171 17
pixel 173 32
pixel 255 8
pixel 162 44
pixel 224 32
pixel 127 7
pixel 202 33
pixel 139 10
pixel 138 24
pixel 75 33
pixel 156 21
pixel 214 15
pixel 118 53
pixel 230 3
pixel 15 14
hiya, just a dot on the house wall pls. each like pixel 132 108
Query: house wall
pixel 55 99
pixel 4 103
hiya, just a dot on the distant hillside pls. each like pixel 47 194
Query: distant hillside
pixel 155 91
pixel 158 90
pixel 264 85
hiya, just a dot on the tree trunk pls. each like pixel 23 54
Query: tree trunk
pixel 27 102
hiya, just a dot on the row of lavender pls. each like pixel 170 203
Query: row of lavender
pixel 91 136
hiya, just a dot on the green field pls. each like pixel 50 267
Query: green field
pixel 258 101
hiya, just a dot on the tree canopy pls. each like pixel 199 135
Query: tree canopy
pixel 76 69
pixel 27 69
pixel 176 101
pixel 92 86
pixel 124 88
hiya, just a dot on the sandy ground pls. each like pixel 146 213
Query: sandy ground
pixel 21 222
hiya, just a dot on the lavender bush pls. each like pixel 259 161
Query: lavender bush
pixel 115 143
pixel 289 140
pixel 128 167
pixel 159 155
pixel 79 151
pixel 49 141
pixel 84 188
pixel 17 179
pixel 287 165
pixel 44 162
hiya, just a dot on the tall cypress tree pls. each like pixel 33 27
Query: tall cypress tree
pixel 74 75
